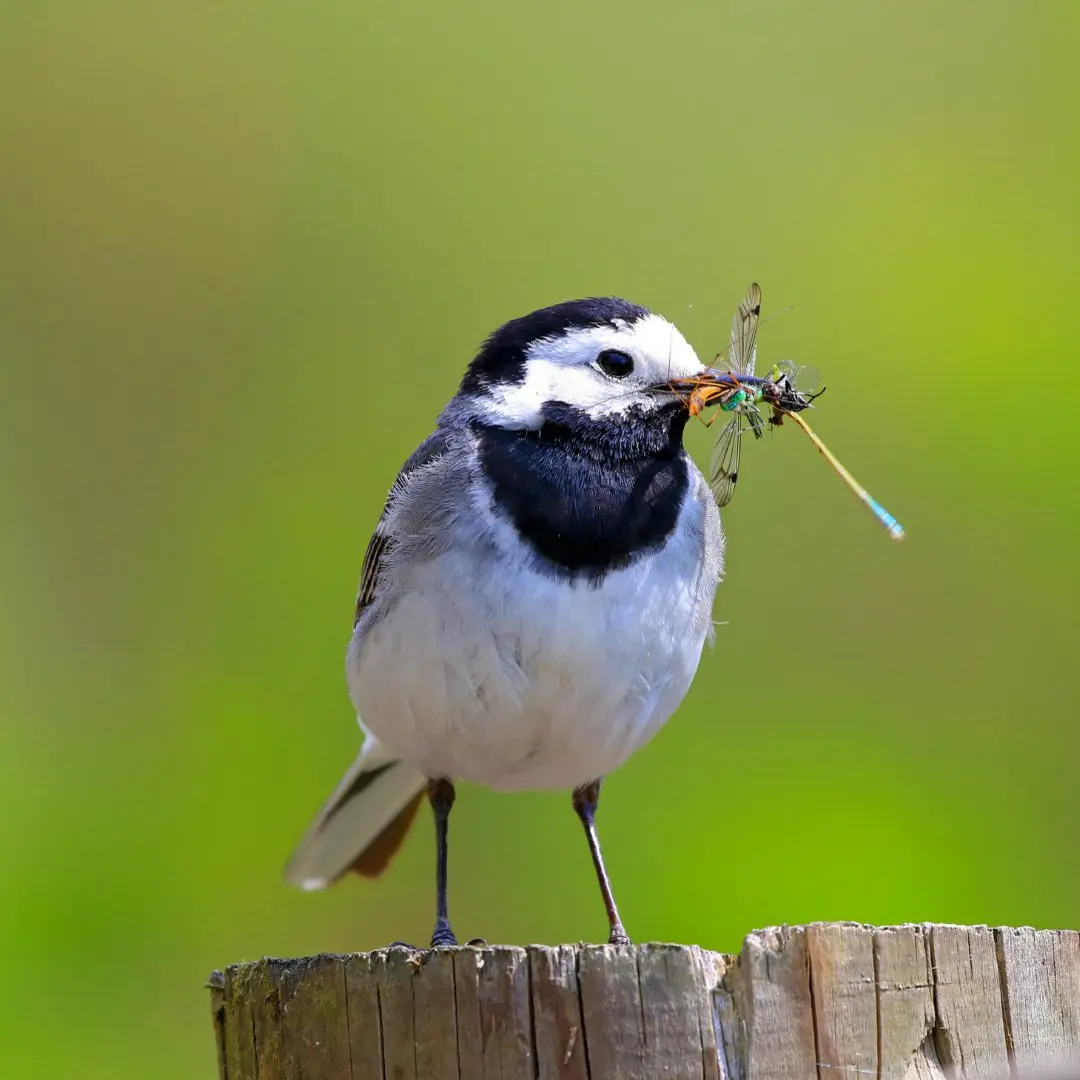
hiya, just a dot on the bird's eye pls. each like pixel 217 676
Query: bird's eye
pixel 614 363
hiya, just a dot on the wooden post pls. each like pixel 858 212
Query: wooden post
pixel 830 1001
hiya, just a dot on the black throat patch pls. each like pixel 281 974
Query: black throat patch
pixel 589 496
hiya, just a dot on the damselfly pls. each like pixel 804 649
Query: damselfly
pixel 747 393
pixel 782 391
pixel 895 529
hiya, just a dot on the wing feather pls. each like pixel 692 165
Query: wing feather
pixel 382 542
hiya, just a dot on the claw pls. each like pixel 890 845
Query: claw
pixel 443 935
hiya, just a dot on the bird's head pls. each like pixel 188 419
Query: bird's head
pixel 605 360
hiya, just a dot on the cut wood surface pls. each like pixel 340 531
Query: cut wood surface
pixel 830 1000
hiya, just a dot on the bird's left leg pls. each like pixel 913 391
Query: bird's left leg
pixel 441 796
pixel 586 798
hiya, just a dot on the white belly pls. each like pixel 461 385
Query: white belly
pixel 514 680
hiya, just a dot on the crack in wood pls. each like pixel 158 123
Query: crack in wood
pixel 581 1013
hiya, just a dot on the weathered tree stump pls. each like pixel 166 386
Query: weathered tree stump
pixel 823 1001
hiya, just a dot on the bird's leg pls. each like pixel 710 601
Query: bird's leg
pixel 585 800
pixel 441 796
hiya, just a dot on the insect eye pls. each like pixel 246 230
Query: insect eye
pixel 614 363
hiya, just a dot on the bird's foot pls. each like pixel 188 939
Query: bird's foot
pixel 477 943
pixel 443 935
pixel 618 936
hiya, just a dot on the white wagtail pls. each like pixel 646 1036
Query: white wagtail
pixel 536 596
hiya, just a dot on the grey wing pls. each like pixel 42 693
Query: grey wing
pixel 429 454
pixel 742 353
pixel 369 574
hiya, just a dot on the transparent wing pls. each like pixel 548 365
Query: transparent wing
pixel 757 421
pixel 803 377
pixel 796 386
pixel 724 464
pixel 742 353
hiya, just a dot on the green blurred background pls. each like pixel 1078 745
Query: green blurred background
pixel 245 253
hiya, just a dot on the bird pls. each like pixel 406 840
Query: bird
pixel 536 596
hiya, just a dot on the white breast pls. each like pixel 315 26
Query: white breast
pixel 485 669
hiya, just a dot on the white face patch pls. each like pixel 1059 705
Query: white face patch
pixel 565 369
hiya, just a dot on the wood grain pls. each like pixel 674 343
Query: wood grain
pixel 829 1001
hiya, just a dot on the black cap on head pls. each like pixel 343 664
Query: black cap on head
pixel 501 358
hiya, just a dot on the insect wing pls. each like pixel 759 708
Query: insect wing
pixel 794 388
pixel 724 465
pixel 742 353
pixel 802 378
